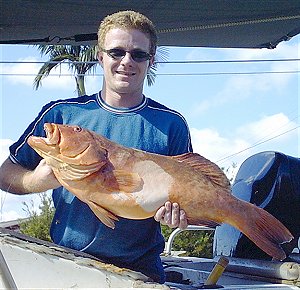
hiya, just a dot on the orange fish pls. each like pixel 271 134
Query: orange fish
pixel 118 181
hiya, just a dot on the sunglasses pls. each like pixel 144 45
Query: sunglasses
pixel 136 54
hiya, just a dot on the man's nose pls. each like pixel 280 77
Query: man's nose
pixel 127 58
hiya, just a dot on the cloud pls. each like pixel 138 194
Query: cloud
pixel 10 216
pixel 4 152
pixel 283 50
pixel 13 206
pixel 243 86
pixel 236 88
pixel 273 132
pixel 24 71
pixel 210 144
pixel 268 128
pixel 21 73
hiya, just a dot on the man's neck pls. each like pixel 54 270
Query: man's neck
pixel 118 100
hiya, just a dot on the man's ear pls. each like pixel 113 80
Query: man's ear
pixel 100 57
pixel 151 61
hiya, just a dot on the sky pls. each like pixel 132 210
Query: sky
pixel 233 109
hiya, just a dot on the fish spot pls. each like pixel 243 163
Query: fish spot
pixel 157 184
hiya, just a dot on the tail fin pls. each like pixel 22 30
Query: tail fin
pixel 265 231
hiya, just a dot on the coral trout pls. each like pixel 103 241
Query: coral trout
pixel 118 181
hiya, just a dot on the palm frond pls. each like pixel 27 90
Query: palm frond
pixel 80 58
pixel 43 72
pixel 162 54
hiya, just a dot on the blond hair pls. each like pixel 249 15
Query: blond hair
pixel 128 20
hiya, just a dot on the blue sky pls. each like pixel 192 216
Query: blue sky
pixel 232 112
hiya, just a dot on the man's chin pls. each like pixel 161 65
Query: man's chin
pixel 126 88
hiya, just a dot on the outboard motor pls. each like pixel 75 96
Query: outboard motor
pixel 270 180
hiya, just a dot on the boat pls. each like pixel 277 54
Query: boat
pixel 29 263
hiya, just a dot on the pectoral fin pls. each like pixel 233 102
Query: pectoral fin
pixel 103 215
pixel 128 181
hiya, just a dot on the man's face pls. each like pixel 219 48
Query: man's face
pixel 124 75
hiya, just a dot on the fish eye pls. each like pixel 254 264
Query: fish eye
pixel 77 129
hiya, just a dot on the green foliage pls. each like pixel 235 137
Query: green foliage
pixel 38 224
pixel 194 243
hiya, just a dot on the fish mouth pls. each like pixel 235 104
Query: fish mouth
pixel 52 134
pixel 52 138
pixel 45 145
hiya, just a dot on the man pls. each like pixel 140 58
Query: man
pixel 127 44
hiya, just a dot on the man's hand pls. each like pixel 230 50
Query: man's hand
pixel 172 216
pixel 43 178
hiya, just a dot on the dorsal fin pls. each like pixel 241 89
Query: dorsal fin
pixel 208 168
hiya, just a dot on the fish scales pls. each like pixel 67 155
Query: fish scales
pixel 117 181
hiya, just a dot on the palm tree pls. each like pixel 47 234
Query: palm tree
pixel 82 59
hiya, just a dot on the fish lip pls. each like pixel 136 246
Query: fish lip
pixel 52 134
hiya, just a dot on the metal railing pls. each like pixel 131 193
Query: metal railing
pixel 169 243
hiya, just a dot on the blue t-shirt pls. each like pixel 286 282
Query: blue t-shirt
pixel 134 244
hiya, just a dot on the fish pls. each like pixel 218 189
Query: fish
pixel 117 181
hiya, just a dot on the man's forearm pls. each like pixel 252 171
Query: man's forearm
pixel 16 179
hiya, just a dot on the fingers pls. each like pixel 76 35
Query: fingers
pixel 171 215
pixel 168 214
pixel 175 213
pixel 160 214
pixel 182 220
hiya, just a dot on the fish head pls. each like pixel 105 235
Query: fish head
pixel 69 147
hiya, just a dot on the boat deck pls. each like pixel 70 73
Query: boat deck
pixel 28 263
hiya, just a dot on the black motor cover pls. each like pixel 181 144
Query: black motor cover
pixel 270 180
